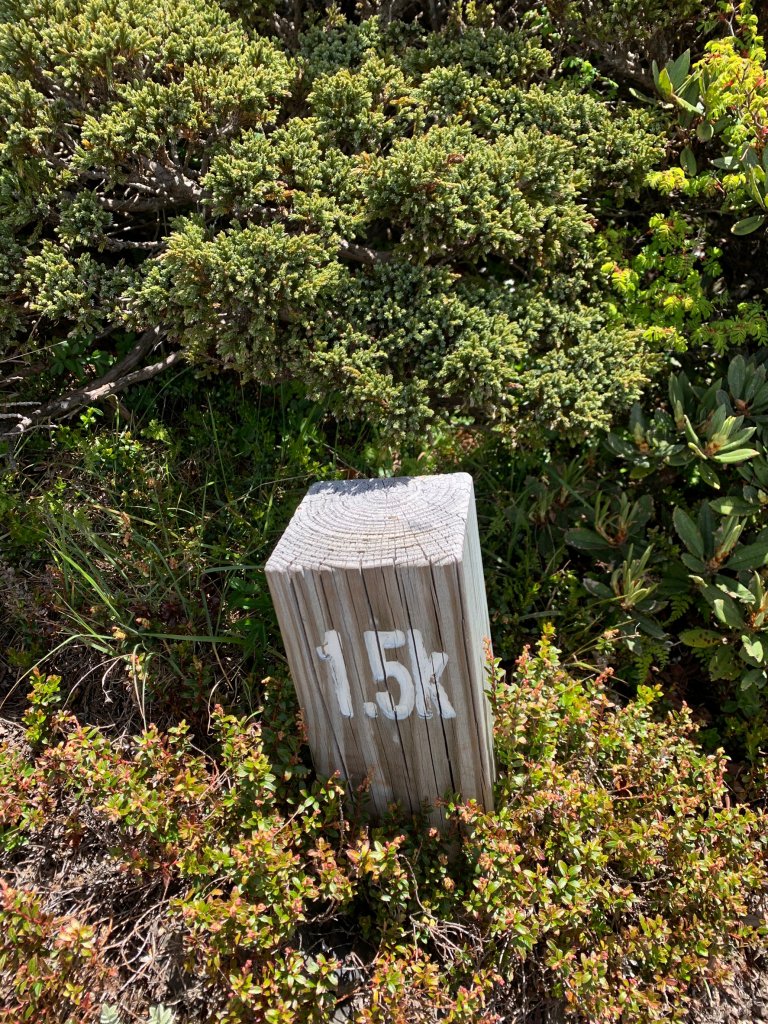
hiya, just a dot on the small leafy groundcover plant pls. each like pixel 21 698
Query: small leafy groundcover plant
pixel 614 858
pixel 614 874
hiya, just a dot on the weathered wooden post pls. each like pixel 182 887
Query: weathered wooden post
pixel 378 587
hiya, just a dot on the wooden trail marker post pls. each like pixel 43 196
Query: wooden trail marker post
pixel 379 592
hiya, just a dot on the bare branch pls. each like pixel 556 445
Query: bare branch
pixel 116 379
pixel 362 254
pixel 121 245
pixel 137 204
pixel 145 344
pixel 174 181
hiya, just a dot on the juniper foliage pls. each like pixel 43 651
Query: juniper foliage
pixel 402 220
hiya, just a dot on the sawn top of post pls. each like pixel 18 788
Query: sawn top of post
pixel 348 524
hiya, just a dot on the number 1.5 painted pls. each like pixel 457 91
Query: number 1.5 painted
pixel 425 694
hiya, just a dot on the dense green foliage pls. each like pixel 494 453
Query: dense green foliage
pixel 602 814
pixel 667 519
pixel 244 247
pixel 405 220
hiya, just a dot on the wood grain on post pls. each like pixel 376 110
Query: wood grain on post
pixel 378 587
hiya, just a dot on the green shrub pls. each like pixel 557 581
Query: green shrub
pixel 721 105
pixel 50 966
pixel 410 221
pixel 680 537
pixel 626 38
pixel 399 218
pixel 463 230
pixel 614 857
pixel 677 287
pixel 614 872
